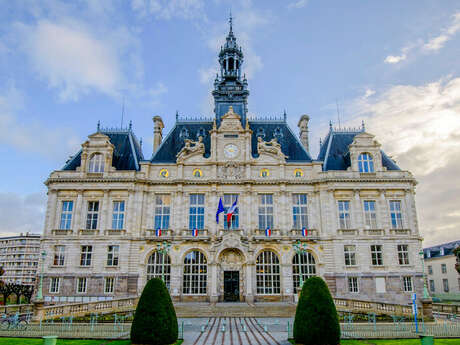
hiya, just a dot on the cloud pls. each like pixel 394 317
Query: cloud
pixel 152 95
pixel 438 42
pixel 419 126
pixel 395 59
pixel 168 9
pixel 298 4
pixel 22 213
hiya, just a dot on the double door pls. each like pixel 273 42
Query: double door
pixel 231 286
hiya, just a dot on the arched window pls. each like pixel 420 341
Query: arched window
pixel 365 163
pixel 96 163
pixel 159 266
pixel 268 273
pixel 195 274
pixel 302 264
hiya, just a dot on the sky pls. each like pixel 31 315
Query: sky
pixel 65 65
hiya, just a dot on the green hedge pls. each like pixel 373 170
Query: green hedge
pixel 155 321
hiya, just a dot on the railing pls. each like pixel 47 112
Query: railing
pixel 165 234
pixel 312 234
pixel 358 306
pixel 446 308
pixel 61 232
pixel 202 234
pixel 14 308
pixel 260 234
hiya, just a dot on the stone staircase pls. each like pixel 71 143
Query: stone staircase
pixel 266 309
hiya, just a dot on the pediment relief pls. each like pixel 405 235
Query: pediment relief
pixel 97 140
pixel 191 149
pixel 230 122
pixel 231 170
pixel 271 149
pixel 364 140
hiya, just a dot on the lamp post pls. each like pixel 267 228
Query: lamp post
pixel 40 286
pixel 300 248
pixel 425 288
pixel 163 248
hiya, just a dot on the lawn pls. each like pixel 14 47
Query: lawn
pixel 397 342
pixel 35 341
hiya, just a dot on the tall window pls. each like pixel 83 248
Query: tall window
pixel 445 285
pixel 59 255
pixel 113 255
pixel 268 273
pixel 229 199
pixel 407 284
pixel 350 255
pixel 118 215
pixel 159 266
pixel 376 254
pixel 443 268
pixel 370 215
pixel 344 214
pixel 299 211
pixel 196 218
pixel 66 215
pixel 86 255
pixel 162 210
pixel 109 284
pixel 395 214
pixel 403 254
pixel 353 286
pixel 365 163
pixel 430 269
pixel 81 285
pixel 54 285
pixel 96 163
pixel 302 264
pixel 432 288
pixel 92 215
pixel 195 274
pixel 265 211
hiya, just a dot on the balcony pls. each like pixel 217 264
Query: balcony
pixel 259 235
pixel 88 232
pixel 400 231
pixel 312 235
pixel 166 234
pixel 221 232
pixel 62 232
pixel 374 232
pixel 348 232
pixel 203 235
pixel 115 232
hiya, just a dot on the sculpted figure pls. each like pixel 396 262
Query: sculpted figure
pixel 271 147
pixel 191 147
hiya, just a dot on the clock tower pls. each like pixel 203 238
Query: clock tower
pixel 230 87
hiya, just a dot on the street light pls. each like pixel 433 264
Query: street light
pixel 300 248
pixel 40 286
pixel 425 288
pixel 163 248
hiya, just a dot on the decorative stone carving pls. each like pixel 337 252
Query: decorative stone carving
pixel 230 170
pixel 231 121
pixel 271 147
pixel 191 148
pixel 231 257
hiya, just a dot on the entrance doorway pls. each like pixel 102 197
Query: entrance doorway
pixel 231 286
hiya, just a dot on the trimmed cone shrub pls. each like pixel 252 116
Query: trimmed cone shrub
pixel 155 321
pixel 316 320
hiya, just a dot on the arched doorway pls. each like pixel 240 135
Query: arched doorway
pixel 231 275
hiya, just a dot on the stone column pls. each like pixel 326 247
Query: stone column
pixel 356 211
pixel 427 305
pixel 175 282
pixel 250 288
pixel 213 283
pixel 78 212
pixel 105 213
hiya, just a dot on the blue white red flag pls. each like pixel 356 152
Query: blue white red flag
pixel 304 232
pixel 158 232
pixel 268 232
pixel 220 209
pixel 231 211
pixel 195 232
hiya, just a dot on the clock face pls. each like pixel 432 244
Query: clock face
pixel 231 151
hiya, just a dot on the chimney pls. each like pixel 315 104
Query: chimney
pixel 157 132
pixel 303 131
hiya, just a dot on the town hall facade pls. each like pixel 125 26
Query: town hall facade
pixel 115 219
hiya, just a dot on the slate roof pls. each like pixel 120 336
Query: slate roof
pixel 335 155
pixel 174 141
pixel 435 251
pixel 126 155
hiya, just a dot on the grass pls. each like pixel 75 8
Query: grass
pixel 395 342
pixel 37 341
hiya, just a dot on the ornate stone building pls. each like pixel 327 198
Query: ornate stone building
pixel 352 208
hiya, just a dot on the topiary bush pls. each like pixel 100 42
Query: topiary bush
pixel 155 321
pixel 316 320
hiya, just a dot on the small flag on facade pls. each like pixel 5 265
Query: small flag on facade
pixel 220 209
pixel 268 232
pixel 304 232
pixel 158 232
pixel 231 211
pixel 195 232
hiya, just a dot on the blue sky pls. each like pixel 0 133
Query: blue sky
pixel 65 65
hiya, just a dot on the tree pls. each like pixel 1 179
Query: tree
pixel 316 320
pixel 155 321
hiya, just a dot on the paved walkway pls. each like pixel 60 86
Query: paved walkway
pixel 235 331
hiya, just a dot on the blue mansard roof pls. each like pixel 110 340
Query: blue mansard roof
pixel 334 151
pixel 440 250
pixel 126 155
pixel 267 129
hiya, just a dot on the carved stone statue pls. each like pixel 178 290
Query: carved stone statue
pixel 230 170
pixel 271 147
pixel 191 147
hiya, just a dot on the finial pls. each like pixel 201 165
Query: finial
pixel 177 115
pixel 363 126
pixel 247 124
pixel 320 142
pixel 140 143
pixel 98 126
pixel 230 20
pixel 214 125
pixel 130 125
pixel 285 116
pixel 330 125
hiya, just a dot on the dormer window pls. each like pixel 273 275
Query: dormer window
pixel 365 163
pixel 96 163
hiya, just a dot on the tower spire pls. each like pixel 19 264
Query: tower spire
pixel 230 21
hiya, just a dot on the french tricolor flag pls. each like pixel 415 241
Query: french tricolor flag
pixel 195 232
pixel 231 211
pixel 158 232
pixel 304 232
pixel 268 232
